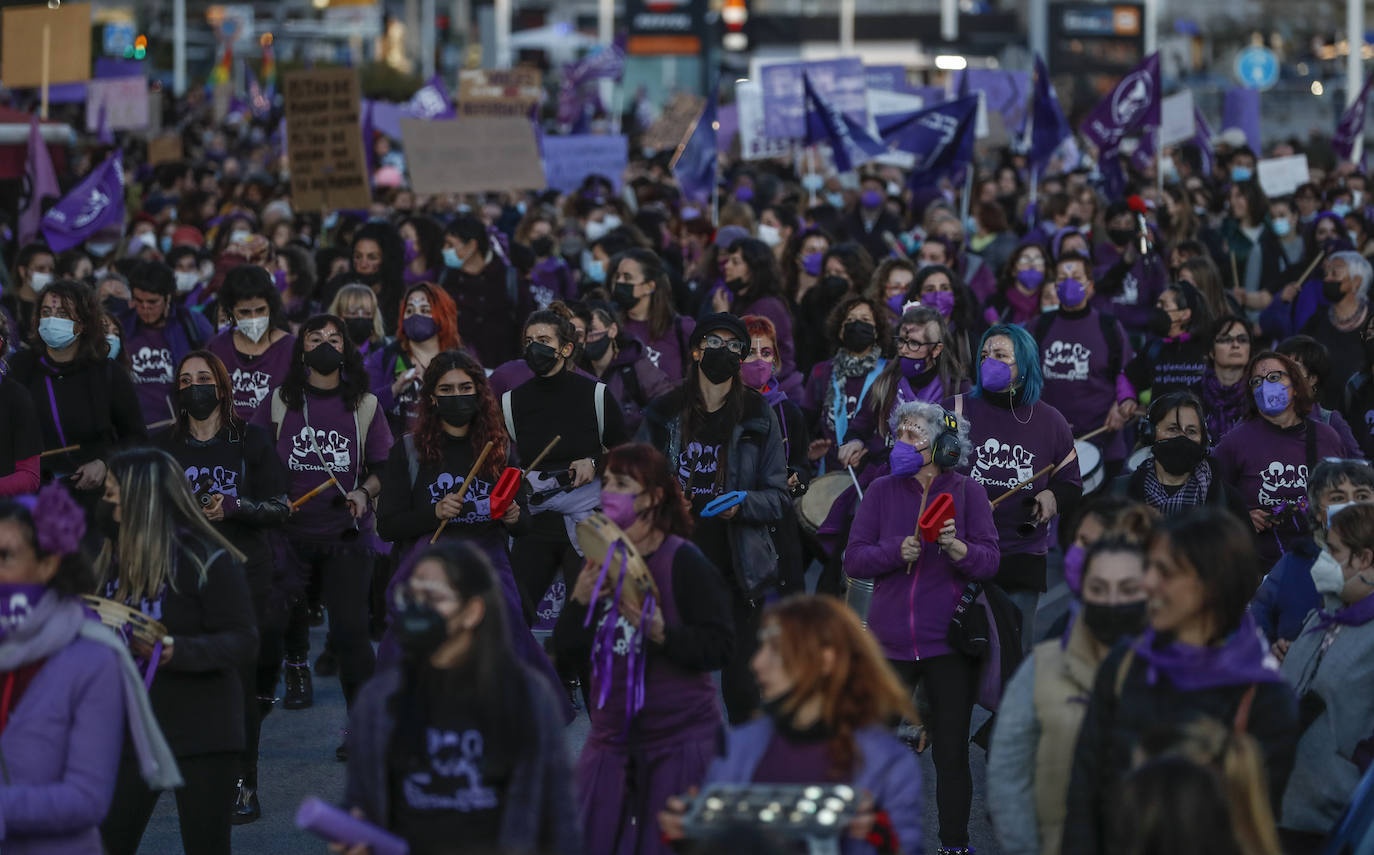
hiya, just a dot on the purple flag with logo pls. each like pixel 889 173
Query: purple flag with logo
pixel 431 101
pixel 1131 108
pixel 40 183
pixel 1351 126
pixel 96 203
pixel 696 166
pixel 1049 128
pixel 941 138
pixel 850 142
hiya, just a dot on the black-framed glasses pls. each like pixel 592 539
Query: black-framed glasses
pixel 1271 377
pixel 1239 338
pixel 914 345
pixel 733 345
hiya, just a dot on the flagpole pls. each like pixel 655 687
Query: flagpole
pixel 964 204
pixel 46 73
pixel 1159 163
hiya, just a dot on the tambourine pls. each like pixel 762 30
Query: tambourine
pixel 130 623
pixel 599 539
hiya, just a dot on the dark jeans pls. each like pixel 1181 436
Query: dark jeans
pixel 345 585
pixel 537 557
pixel 951 682
pixel 204 804
pixel 737 683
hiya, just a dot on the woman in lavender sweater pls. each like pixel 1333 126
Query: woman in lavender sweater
pixel 917 584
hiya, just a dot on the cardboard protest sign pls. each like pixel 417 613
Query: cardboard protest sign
pixel 477 155
pixel 754 144
pixel 324 140
pixel 1176 122
pixel 69 45
pixel 671 128
pixel 125 100
pixel 1282 176
pixel 499 92
pixel 570 159
pixel 164 149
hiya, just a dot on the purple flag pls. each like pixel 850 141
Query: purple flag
pixel 1131 108
pixel 941 138
pixel 1351 126
pixel 1203 140
pixel 850 142
pixel 1049 128
pixel 40 183
pixel 431 101
pixel 94 204
pixel 604 63
pixel 1240 108
pixel 696 166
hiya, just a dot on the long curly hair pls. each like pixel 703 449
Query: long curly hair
pixel 486 424
pixel 444 311
pixel 858 688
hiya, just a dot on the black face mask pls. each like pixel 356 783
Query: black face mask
pixel 597 349
pixel 324 359
pixel 858 336
pixel 420 630
pixel 1109 624
pixel 359 329
pixel 833 287
pixel 1333 290
pixel 542 246
pixel 1120 237
pixel 1159 323
pixel 541 358
pixel 198 401
pixel 719 364
pixel 456 410
pixel 1178 455
pixel 624 295
pixel 115 305
pixel 736 286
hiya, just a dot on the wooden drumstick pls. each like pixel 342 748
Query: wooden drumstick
pixel 295 505
pixel 162 424
pixel 1235 274
pixel 63 450
pixel 1313 266
pixel 534 467
pixel 463 489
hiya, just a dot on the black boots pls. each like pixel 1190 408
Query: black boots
pixel 246 807
pixel 300 691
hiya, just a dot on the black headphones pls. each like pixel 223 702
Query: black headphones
pixel 944 449
pixel 1147 430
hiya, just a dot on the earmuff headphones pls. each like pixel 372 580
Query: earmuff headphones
pixel 944 449
pixel 1148 429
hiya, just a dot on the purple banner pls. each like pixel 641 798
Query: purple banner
pixel 840 81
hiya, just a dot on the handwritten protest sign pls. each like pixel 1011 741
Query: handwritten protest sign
pixel 125 100
pixel 69 44
pixel 164 149
pixel 570 159
pixel 670 129
pixel 475 155
pixel 499 92
pixel 324 140
pixel 1282 176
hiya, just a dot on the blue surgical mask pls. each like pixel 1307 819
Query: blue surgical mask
pixel 113 341
pixel 1282 227
pixel 1340 209
pixel 1241 173
pixel 452 259
pixel 100 249
pixel 812 181
pixel 594 269
pixel 835 199
pixel 165 243
pixel 57 333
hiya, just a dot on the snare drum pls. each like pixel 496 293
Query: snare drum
pixel 814 506
pixel 1089 465
pixel 1139 456
pixel 858 595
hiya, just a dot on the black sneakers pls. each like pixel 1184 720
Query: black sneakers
pixel 246 807
pixel 300 690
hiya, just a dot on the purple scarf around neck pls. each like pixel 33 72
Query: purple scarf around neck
pixel 1242 659
pixel 1355 614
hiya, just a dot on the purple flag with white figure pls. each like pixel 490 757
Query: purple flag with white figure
pixel 94 204
pixel 40 183
pixel 1049 127
pixel 1351 126
pixel 431 101
pixel 850 142
pixel 941 138
pixel 1131 108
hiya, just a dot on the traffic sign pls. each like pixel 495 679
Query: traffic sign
pixel 1257 67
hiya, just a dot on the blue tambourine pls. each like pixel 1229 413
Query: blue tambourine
pixel 721 504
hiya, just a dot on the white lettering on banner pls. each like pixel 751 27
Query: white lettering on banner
pixel 333 448
pixel 152 365
pixel 1279 476
pixel 1066 360
pixel 1001 465
pixel 217 480
pixel 253 384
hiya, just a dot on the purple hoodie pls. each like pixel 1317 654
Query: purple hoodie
pixel 1140 287
pixel 911 609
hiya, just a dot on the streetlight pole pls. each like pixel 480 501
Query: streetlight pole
pixel 1354 64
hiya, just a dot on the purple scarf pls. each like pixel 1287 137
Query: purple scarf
pixel 1243 659
pixel 1226 405
pixel 1355 614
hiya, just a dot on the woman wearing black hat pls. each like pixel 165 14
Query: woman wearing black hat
pixel 722 438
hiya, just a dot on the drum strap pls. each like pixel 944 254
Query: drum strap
pixel 839 410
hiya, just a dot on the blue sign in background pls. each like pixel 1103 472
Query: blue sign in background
pixel 1257 67
pixel 840 81
pixel 570 159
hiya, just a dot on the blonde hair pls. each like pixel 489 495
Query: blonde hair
pixel 348 297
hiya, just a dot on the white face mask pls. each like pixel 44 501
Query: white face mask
pixel 254 328
pixel 769 234
pixel 1327 575
pixel 240 235
pixel 38 281
pixel 186 280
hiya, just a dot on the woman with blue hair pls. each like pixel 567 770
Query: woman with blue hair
pixel 1024 447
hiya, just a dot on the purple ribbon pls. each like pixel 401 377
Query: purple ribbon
pixel 152 666
pixel 56 420
pixel 603 644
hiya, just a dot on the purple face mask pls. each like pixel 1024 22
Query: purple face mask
pixel 1073 568
pixel 912 368
pixel 744 194
pixel 995 375
pixel 940 301
pixel 420 328
pixel 811 263
pixel 16 601
pixel 870 199
pixel 1030 279
pixel 1071 293
pixel 1271 398
pixel 620 507
pixel 905 459
pixel 756 374
pixel 279 277
pixel 412 251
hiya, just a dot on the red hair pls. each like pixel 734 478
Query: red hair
pixel 445 313
pixel 485 425
pixel 648 466
pixel 758 325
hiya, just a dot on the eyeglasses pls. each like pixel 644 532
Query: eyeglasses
pixel 1271 377
pixel 914 345
pixel 1240 338
pixel 734 345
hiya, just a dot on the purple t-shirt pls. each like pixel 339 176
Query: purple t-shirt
pixel 1140 287
pixel 787 762
pixel 1008 448
pixel 1073 360
pixel 328 444
pixel 153 371
pixel 252 377
pixel 666 351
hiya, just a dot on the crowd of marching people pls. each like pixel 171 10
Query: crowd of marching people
pixel 772 495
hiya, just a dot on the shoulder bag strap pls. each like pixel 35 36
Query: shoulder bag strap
pixel 510 418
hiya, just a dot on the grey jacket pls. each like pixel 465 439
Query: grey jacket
pixel 756 464
pixel 1325 775
pixel 540 810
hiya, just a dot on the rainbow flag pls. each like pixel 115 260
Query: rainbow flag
pixel 222 73
pixel 269 71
